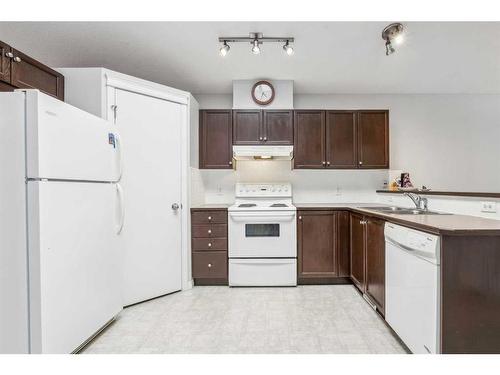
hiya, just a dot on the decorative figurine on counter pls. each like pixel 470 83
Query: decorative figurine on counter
pixel 405 181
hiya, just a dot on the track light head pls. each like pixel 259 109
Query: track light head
pixel 255 48
pixel 393 34
pixel 224 50
pixel 288 48
pixel 389 49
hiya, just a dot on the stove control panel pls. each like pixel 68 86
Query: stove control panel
pixel 283 190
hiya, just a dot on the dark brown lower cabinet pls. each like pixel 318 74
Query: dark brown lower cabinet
pixel 322 246
pixel 375 262
pixel 358 251
pixel 368 258
pixel 209 246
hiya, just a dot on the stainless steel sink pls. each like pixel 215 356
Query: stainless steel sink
pixel 404 210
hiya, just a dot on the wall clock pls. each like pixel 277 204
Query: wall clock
pixel 263 93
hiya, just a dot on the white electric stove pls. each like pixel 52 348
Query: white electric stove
pixel 262 236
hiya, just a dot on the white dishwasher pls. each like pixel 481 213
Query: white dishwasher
pixel 412 287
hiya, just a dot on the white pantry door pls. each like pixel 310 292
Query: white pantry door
pixel 150 132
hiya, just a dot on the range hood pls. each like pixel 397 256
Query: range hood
pixel 262 152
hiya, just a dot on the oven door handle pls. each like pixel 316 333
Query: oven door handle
pixel 257 216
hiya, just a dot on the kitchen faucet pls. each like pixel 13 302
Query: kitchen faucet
pixel 420 202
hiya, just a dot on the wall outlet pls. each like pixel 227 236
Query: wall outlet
pixel 488 206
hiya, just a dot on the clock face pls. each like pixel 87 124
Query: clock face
pixel 263 93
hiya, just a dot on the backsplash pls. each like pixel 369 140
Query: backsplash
pixel 454 205
pixel 217 186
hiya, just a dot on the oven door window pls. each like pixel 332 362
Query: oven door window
pixel 262 230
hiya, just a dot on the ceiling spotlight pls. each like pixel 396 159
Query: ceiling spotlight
pixel 389 49
pixel 255 48
pixel 392 34
pixel 224 50
pixel 288 48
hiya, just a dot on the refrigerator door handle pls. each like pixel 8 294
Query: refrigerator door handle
pixel 119 148
pixel 121 219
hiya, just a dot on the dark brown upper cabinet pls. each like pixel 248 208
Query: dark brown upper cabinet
pixel 277 127
pixel 247 127
pixel 215 139
pixel 5 62
pixel 262 127
pixel 373 139
pixel 341 150
pixel 309 139
pixel 341 139
pixel 20 71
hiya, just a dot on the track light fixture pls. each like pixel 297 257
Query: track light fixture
pixel 256 39
pixel 393 34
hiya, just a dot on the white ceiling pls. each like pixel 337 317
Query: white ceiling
pixel 330 57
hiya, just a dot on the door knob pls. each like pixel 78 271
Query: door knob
pixel 209 244
pixel 260 138
pixel 175 206
pixel 265 138
pixel 360 163
pixel 327 163
pixel 10 55
pixel 210 218
pixel 300 217
pixel 17 59
pixel 324 163
pixel 209 265
pixel 210 231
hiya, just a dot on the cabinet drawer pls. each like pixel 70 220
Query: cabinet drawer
pixel 210 231
pixel 200 244
pixel 209 217
pixel 210 264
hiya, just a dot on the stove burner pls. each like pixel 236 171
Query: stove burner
pixel 278 205
pixel 247 205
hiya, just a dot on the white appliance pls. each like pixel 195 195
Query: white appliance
pixel 60 211
pixel 262 152
pixel 412 287
pixel 262 238
pixel 153 123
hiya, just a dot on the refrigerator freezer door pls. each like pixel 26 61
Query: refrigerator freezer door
pixel 64 142
pixel 150 240
pixel 74 262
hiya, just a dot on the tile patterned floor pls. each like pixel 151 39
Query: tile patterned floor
pixel 306 319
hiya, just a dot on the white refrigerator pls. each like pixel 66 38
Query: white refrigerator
pixel 60 213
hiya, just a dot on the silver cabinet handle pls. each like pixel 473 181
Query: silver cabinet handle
pixel 209 265
pixel 17 59
pixel 210 231
pixel 175 206
pixel 324 163
pixel 300 217
pixel 210 218
pixel 265 138
pixel 360 163
pixel 362 222
pixel 209 244
pixel 10 55
pixel 230 163
pixel 260 138
pixel 327 163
